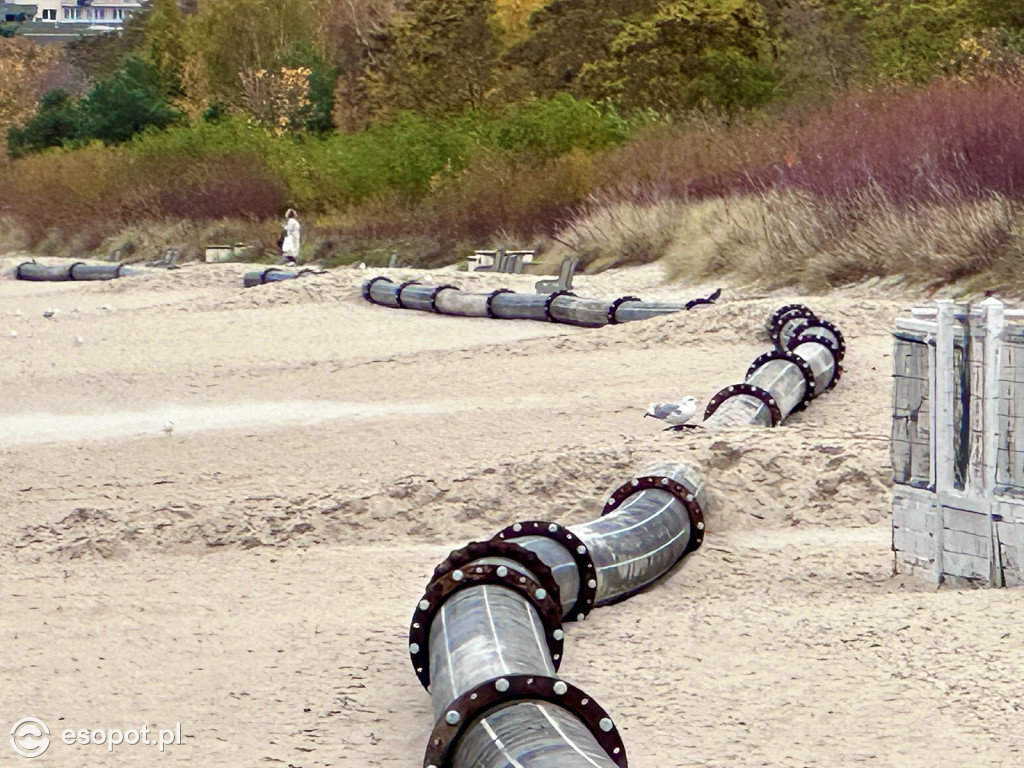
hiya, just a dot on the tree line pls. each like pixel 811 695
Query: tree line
pixel 319 66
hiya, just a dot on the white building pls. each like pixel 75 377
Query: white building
pixel 89 12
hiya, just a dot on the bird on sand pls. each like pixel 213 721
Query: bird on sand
pixel 676 414
pixel 168 428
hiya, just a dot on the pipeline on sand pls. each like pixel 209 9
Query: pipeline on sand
pixel 275 275
pixel 560 306
pixel 30 270
pixel 487 636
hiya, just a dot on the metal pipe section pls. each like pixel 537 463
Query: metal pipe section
pixel 493 646
pixel 79 271
pixel 486 639
pixel 805 363
pixel 271 275
pixel 482 633
pixel 530 733
pixel 560 307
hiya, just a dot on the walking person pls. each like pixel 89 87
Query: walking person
pixel 290 243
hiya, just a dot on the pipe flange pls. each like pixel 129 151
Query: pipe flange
pixel 834 344
pixel 778 319
pixel 71 269
pixel 17 271
pixel 402 287
pixel 369 285
pixel 697 302
pixel 837 344
pixel 548 608
pixel 612 320
pixel 685 495
pixel 550 300
pixel 795 359
pixel 265 272
pixel 492 296
pixel 433 295
pixel 836 377
pixel 500 691
pixel 119 271
pixel 477 550
pixel 580 554
pixel 792 328
pixel 734 390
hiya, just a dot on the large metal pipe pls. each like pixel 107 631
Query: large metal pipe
pixel 805 363
pixel 531 733
pixel 79 270
pixel 486 637
pixel 561 307
pixel 480 633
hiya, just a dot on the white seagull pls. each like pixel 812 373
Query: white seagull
pixel 676 414
pixel 168 428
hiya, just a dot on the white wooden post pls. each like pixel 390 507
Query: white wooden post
pixel 994 323
pixel 942 404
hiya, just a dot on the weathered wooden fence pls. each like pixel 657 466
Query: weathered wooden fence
pixel 957 444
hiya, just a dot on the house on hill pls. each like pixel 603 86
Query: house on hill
pixel 106 13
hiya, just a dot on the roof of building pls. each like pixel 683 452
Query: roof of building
pixel 50 32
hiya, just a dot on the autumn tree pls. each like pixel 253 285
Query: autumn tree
pixel 689 53
pixel 165 44
pixel 228 38
pixel 565 36
pixel 439 57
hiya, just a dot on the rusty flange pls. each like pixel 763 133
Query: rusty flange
pixel 490 299
pixel 778 319
pixel 795 359
pixel 734 390
pixel 792 328
pixel 433 295
pixel 667 484
pixel 500 691
pixel 550 300
pixel 580 554
pixel 614 307
pixel 477 550
pixel 402 287
pixel 369 285
pixel 834 339
pixel 548 609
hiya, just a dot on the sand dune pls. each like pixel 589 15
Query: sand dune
pixel 252 575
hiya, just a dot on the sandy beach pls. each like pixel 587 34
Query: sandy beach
pixel 251 575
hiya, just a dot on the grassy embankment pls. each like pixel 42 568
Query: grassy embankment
pixel 925 182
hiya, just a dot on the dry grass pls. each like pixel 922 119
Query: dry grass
pixel 606 235
pixel 784 238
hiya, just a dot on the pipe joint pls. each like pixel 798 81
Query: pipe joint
pixel 587 593
pixel 433 295
pixel 790 357
pixel 499 692
pixel 551 300
pixel 473 574
pixel 402 287
pixel 829 335
pixel 685 495
pixel 490 300
pixel 778 320
pixel 614 307
pixel 368 287
pixel 735 390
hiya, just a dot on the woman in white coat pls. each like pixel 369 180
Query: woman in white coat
pixel 292 231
